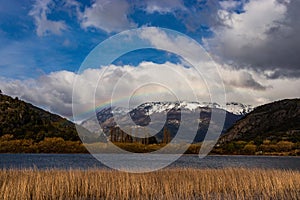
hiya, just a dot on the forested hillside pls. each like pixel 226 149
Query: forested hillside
pixel 26 128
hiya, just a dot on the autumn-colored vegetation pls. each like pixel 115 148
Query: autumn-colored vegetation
pixel 143 148
pixel 47 145
pixel 164 184
pixel 265 147
pixel 58 145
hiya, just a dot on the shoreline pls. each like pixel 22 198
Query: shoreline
pixel 186 154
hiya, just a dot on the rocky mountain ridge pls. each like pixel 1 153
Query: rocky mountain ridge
pixel 279 120
pixel 144 114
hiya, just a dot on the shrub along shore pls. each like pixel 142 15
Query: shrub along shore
pixel 58 145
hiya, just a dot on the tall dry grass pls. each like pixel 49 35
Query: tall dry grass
pixel 164 184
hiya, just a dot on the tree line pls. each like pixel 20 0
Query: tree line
pixel 137 135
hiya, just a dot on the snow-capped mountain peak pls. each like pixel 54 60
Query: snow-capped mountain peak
pixel 238 108
pixel 157 107
pixel 145 113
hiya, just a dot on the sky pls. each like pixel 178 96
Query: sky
pixel 254 45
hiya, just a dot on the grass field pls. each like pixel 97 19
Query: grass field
pixel 231 183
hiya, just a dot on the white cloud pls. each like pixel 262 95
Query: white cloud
pixel 264 37
pixel 281 89
pixel 110 16
pixel 178 44
pixel 230 4
pixel 149 81
pixel 249 28
pixel 241 79
pixel 163 6
pixel 251 87
pixel 54 91
pixel 44 26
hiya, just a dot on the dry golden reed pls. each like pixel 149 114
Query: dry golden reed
pixel 230 183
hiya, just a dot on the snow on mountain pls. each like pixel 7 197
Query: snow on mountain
pixel 157 107
pixel 238 108
pixel 105 115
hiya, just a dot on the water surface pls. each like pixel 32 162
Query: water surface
pixel 85 161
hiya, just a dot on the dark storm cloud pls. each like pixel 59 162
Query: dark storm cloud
pixel 245 80
pixel 278 51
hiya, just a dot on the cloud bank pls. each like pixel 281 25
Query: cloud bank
pixel 54 91
pixel 264 37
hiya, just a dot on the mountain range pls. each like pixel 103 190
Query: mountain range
pixel 151 112
pixel 269 129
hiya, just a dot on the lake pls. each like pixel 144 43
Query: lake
pixel 85 161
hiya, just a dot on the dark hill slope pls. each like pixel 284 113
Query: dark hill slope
pixel 276 121
pixel 25 121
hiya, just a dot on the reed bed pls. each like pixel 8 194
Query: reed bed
pixel 229 183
